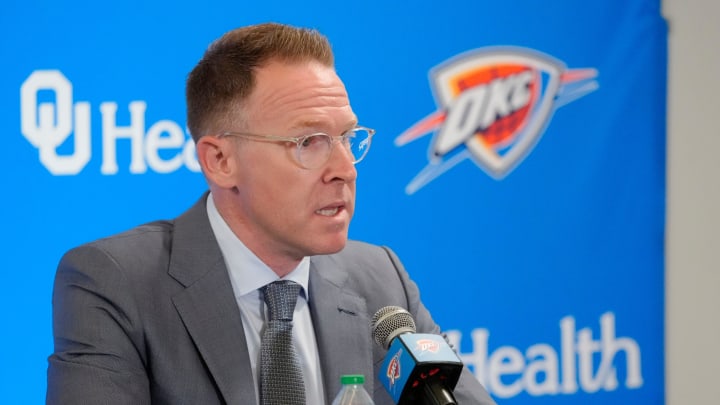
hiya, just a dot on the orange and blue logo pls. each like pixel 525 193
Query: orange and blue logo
pixel 393 369
pixel 427 345
pixel 493 106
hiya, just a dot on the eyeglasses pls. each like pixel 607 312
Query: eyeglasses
pixel 314 150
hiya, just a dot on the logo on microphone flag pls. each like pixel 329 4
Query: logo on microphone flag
pixel 428 345
pixel 493 106
pixel 393 369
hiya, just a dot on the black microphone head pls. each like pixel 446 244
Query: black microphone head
pixel 389 322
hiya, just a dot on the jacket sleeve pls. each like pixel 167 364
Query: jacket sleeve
pixel 468 390
pixel 97 358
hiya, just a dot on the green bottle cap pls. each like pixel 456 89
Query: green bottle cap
pixel 352 379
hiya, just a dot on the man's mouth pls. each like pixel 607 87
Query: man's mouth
pixel 328 212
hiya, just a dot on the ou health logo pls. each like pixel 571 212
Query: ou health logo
pixel 163 147
pixel 493 106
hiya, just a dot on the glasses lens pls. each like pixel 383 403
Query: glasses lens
pixel 359 142
pixel 314 150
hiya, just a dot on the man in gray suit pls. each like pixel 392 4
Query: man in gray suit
pixel 172 312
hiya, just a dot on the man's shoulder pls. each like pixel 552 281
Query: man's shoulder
pixel 358 245
pixel 131 251
pixel 356 250
pixel 361 260
pixel 153 238
pixel 147 236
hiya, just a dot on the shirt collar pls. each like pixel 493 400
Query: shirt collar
pixel 247 272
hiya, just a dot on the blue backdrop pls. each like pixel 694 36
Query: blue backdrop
pixel 518 169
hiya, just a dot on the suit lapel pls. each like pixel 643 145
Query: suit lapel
pixel 341 324
pixel 207 306
pixel 209 311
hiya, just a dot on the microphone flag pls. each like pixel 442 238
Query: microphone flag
pixel 416 361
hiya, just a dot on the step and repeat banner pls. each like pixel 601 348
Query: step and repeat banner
pixel 518 168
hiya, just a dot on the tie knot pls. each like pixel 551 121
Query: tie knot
pixel 280 298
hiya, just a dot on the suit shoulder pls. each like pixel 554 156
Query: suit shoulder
pixel 358 250
pixel 361 257
pixel 147 244
pixel 147 234
pixel 364 262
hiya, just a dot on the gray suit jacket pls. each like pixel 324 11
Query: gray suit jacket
pixel 149 316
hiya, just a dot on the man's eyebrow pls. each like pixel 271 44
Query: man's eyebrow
pixel 320 124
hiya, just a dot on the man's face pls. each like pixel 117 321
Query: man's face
pixel 283 210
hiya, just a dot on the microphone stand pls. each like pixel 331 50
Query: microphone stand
pixel 436 394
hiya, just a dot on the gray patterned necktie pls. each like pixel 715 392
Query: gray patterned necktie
pixel 281 381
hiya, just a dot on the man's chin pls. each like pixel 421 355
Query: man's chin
pixel 332 247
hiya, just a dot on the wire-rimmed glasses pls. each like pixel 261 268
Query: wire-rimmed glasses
pixel 314 150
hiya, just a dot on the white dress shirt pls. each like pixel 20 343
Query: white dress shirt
pixel 248 274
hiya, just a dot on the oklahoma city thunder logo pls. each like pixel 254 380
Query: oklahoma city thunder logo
pixel 427 345
pixel 393 369
pixel 493 106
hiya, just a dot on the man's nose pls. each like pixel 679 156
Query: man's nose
pixel 341 163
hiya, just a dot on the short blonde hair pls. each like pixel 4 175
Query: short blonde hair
pixel 225 76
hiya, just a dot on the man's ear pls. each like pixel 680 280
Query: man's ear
pixel 217 158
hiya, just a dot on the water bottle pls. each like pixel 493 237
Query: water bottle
pixel 352 391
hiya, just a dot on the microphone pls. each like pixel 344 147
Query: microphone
pixel 419 367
